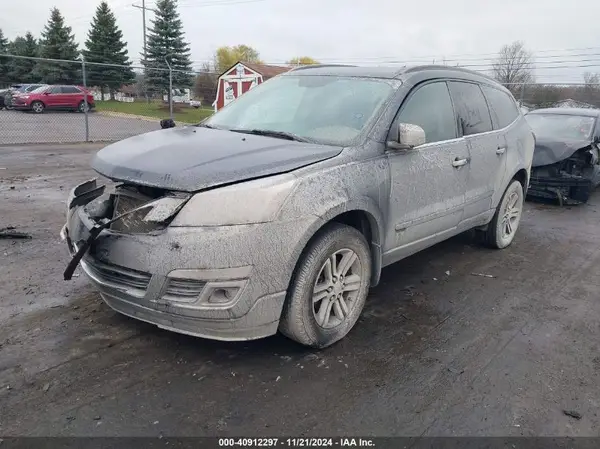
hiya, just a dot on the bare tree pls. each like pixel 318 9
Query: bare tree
pixel 205 85
pixel 514 66
pixel 591 89
pixel 591 79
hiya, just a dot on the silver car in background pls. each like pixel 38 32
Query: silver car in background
pixel 279 211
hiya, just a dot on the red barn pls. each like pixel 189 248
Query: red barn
pixel 242 77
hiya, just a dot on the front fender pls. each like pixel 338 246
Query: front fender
pixel 328 192
pixel 375 218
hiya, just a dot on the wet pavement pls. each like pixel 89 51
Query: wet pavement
pixel 439 350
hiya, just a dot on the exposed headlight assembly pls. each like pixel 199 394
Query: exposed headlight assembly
pixel 250 202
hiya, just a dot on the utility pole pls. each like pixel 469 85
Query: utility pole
pixel 144 27
pixel 170 97
pixel 85 100
pixel 522 93
pixel 143 8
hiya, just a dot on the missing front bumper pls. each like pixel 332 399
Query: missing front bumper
pixel 565 190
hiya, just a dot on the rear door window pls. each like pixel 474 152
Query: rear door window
pixel 70 90
pixel 502 107
pixel 430 108
pixel 471 108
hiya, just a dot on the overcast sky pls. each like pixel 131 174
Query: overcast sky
pixel 361 32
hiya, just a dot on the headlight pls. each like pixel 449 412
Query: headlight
pixel 250 202
pixel 23 97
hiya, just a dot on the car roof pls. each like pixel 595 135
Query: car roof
pixel 390 72
pixel 586 112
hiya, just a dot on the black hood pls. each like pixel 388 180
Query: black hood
pixel 194 158
pixel 549 152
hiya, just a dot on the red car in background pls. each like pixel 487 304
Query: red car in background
pixel 54 97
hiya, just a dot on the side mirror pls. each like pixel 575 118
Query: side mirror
pixel 46 93
pixel 405 136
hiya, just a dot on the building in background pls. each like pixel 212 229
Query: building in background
pixel 242 77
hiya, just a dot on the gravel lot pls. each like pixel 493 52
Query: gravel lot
pixel 434 354
pixel 18 127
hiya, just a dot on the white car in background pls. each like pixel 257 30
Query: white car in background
pixel 195 103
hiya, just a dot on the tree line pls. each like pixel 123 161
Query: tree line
pixel 109 66
pixel 514 67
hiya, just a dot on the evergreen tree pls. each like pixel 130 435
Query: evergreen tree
pixel 105 45
pixel 166 43
pixel 58 42
pixel 4 62
pixel 22 70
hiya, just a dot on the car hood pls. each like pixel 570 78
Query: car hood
pixel 548 151
pixel 195 158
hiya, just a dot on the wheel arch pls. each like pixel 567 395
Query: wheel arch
pixel 361 215
pixel 522 176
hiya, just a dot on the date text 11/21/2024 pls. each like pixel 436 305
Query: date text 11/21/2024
pixel 296 442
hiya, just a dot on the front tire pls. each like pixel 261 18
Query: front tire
pixel 37 107
pixel 82 106
pixel 329 287
pixel 502 229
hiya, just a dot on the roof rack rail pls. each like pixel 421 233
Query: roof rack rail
pixel 318 66
pixel 418 68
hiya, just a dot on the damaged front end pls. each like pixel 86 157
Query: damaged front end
pixel 570 180
pixel 125 209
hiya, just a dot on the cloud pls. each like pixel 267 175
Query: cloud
pixel 363 32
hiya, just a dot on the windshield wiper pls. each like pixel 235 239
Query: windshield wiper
pixel 272 133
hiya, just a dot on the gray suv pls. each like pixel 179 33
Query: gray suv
pixel 280 210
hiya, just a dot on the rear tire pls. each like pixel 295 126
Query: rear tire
pixel 502 229
pixel 329 287
pixel 37 107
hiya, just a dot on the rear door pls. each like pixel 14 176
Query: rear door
pixel 484 144
pixel 71 96
pixel 506 118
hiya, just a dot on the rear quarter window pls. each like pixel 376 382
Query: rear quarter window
pixel 502 107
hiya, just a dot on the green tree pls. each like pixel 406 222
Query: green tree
pixel 58 42
pixel 226 57
pixel 4 62
pixel 22 70
pixel 302 60
pixel 105 45
pixel 166 43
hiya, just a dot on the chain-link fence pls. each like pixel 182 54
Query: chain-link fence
pixel 49 100
pixel 56 101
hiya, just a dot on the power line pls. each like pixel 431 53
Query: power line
pixel 459 55
pixel 141 67
pixel 596 62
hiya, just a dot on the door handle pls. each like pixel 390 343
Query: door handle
pixel 459 162
pixel 500 150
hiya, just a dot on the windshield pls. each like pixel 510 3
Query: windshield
pixel 325 109
pixel 559 126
